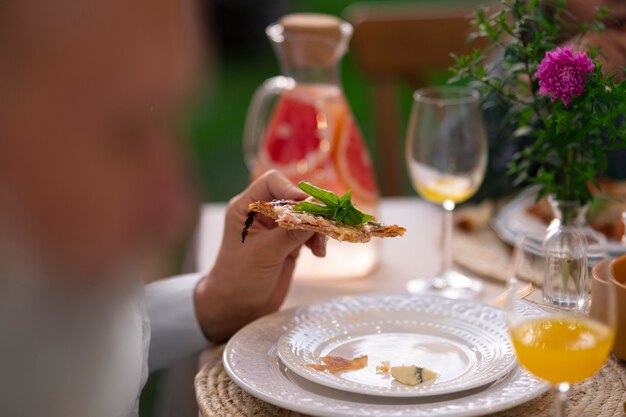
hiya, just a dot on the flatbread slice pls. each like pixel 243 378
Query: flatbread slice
pixel 281 211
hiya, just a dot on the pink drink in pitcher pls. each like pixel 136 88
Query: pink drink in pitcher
pixel 301 124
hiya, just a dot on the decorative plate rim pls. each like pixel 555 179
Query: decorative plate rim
pixel 444 314
pixel 255 368
pixel 506 233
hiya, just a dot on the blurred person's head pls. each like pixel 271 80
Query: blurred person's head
pixel 90 167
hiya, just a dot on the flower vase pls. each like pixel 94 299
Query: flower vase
pixel 571 248
pixel 574 214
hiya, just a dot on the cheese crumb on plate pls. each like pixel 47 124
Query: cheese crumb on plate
pixel 412 374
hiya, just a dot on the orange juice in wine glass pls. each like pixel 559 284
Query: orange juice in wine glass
pixel 446 154
pixel 565 344
pixel 439 187
pixel 562 349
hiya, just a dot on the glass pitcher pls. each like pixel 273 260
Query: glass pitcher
pixel 300 124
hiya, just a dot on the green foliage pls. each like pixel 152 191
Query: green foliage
pixel 337 208
pixel 569 143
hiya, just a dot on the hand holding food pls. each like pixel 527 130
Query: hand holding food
pixel 334 216
pixel 249 281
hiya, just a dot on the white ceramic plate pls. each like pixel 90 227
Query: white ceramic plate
pixel 465 342
pixel 250 360
pixel 513 220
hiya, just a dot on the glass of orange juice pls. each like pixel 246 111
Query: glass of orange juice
pixel 557 344
pixel 446 152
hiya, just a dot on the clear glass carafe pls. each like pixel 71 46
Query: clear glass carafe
pixel 301 124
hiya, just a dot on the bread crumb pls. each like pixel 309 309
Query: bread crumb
pixel 383 367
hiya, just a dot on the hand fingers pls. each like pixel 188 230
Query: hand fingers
pixel 266 222
pixel 273 185
pixel 282 286
pixel 281 242
pixel 269 186
pixel 317 244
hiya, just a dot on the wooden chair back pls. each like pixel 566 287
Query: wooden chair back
pixel 403 43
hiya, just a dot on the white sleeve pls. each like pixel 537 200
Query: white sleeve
pixel 175 331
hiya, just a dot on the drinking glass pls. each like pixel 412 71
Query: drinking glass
pixel 559 344
pixel 528 262
pixel 446 153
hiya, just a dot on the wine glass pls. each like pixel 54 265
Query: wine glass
pixel 528 262
pixel 561 345
pixel 446 153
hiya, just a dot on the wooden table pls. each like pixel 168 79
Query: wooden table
pixel 417 254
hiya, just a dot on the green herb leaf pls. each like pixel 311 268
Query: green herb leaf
pixel 354 217
pixel 346 198
pixel 337 208
pixel 317 209
pixel 327 197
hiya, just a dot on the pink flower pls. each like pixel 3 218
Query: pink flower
pixel 562 72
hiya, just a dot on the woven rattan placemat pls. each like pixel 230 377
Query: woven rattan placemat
pixel 601 396
pixel 482 254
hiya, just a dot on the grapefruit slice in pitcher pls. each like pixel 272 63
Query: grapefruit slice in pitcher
pixel 296 141
pixel 354 165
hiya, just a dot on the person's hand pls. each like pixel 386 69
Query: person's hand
pixel 251 279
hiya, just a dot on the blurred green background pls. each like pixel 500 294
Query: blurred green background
pixel 241 61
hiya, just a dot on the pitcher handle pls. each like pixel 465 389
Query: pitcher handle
pixel 258 115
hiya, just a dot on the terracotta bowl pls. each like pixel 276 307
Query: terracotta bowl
pixel 614 271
